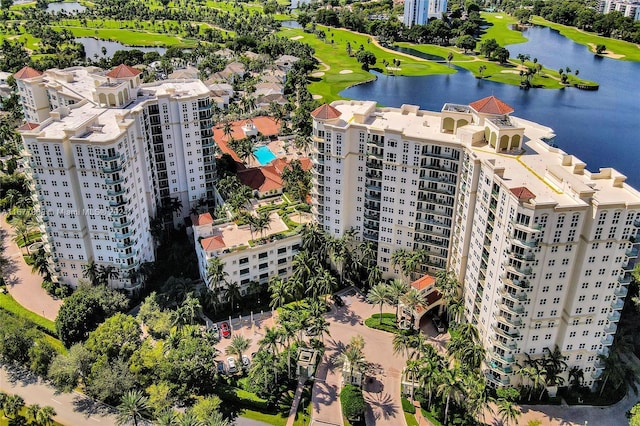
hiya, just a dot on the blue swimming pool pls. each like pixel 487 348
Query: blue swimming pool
pixel 264 155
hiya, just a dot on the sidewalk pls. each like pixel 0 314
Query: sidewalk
pixel 71 408
pixel 23 285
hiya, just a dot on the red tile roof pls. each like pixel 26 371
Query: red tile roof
pixel 491 105
pixel 522 193
pixel 202 219
pixel 213 243
pixel 424 282
pixel 28 126
pixel 263 179
pixel 325 112
pixel 123 71
pixel 27 72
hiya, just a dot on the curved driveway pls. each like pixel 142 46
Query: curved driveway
pixel 383 393
pixel 23 285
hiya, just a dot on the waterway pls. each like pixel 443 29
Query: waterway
pixel 94 46
pixel 599 127
pixel 71 8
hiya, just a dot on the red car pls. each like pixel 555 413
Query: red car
pixel 225 330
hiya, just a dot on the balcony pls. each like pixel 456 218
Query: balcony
pixel 125 245
pixel 527 227
pixel 377 176
pixel 506 369
pixel 376 143
pixel 372 216
pixel 636 223
pixel 526 256
pixel 617 304
pixel 503 358
pixel 114 181
pixel 611 328
pixel 514 322
pixel 376 155
pixel 125 255
pixel 370 236
pixel 517 310
pixel 373 187
pixel 118 225
pixel 607 340
pixel 125 235
pixel 502 381
pixel 524 243
pixel 519 296
pixel 522 270
pixel 624 280
pixel 370 225
pixel 376 165
pixel 621 291
pixel 596 374
pixel 113 193
pixel 110 157
pixel 614 316
pixel 633 253
pixel 371 196
pixel 114 168
pixel 117 203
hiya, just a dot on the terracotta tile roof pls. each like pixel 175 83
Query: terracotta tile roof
pixel 325 112
pixel 28 126
pixel 305 162
pixel 522 193
pixel 203 219
pixel 213 243
pixel 27 72
pixel 424 282
pixel 265 125
pixel 262 179
pixel 123 71
pixel 491 105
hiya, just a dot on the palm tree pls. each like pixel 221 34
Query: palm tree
pixel 262 222
pixel 617 373
pixel 215 273
pixel 314 240
pixel 402 344
pixel 32 411
pixel 554 362
pixel 323 284
pixel 23 230
pixel 413 300
pixel 45 415
pixel 239 344
pixel 90 271
pixel 269 342
pixel 232 292
pixel 167 417
pixel 413 366
pixel 508 411
pixel 12 406
pixel 192 309
pixel 398 259
pixel 107 273
pixel 352 356
pixel 40 259
pixel 576 377
pixel 430 368
pixel 279 292
pixel 450 387
pixel 378 295
pixel 134 406
pixel 397 288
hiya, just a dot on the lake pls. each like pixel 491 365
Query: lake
pixel 70 8
pixel 94 45
pixel 599 127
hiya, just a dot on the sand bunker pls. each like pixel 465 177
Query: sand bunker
pixel 346 72
pixel 297 37
pixel 317 74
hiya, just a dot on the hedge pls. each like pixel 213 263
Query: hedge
pixel 407 406
pixel 352 402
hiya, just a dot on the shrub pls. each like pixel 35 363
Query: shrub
pixel 407 406
pixel 352 402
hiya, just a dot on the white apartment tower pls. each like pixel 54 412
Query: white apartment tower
pixel 543 247
pixel 418 12
pixel 103 152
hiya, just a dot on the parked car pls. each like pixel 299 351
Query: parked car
pixel 215 330
pixel 438 324
pixel 246 362
pixel 220 367
pixel 231 365
pixel 337 300
pixel 225 329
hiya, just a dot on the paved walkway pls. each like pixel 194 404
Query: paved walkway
pixel 382 394
pixel 296 400
pixel 23 285
pixel 71 408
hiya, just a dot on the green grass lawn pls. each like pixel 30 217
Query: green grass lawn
pixel 8 303
pixel 630 51
pixel 335 56
pixel 388 323
pixel 500 29
pixel 32 237
pixel 411 419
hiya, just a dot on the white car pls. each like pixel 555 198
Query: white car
pixel 215 330
pixel 231 363
pixel 246 362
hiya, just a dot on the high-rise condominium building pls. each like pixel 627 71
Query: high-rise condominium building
pixel 543 248
pixel 418 12
pixel 103 152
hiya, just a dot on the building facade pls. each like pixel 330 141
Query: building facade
pixel 418 12
pixel 543 248
pixel 248 256
pixel 629 8
pixel 103 152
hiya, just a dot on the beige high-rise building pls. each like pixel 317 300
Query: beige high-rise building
pixel 103 152
pixel 542 247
